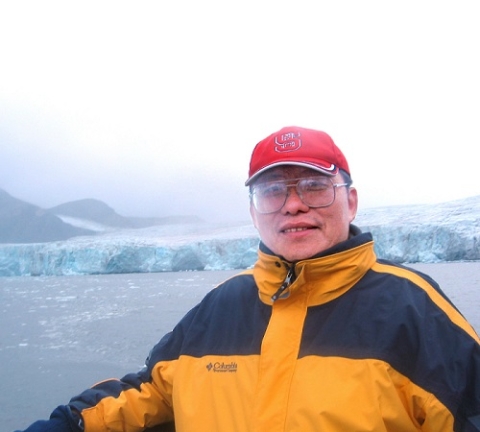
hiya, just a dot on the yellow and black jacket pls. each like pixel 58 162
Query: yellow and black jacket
pixel 352 343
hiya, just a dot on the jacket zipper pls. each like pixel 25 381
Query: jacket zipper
pixel 286 283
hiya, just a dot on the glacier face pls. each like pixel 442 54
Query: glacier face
pixel 155 249
pixel 425 233
pixel 422 233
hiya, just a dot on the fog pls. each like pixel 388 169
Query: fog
pixel 154 107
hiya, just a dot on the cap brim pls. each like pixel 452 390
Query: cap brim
pixel 331 171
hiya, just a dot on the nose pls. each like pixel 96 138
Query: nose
pixel 293 203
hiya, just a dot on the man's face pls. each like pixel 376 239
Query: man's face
pixel 297 231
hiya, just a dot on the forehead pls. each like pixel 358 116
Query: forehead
pixel 287 172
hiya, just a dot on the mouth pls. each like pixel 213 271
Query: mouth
pixel 296 229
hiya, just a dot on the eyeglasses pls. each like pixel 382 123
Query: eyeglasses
pixel 315 192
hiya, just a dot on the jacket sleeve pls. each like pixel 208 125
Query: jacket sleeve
pixel 61 420
pixel 451 371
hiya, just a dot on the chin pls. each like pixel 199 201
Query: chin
pixel 300 255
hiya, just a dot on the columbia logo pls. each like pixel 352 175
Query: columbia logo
pixel 222 367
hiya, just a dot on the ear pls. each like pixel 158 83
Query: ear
pixel 352 203
pixel 253 215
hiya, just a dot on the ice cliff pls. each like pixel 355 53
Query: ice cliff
pixel 423 233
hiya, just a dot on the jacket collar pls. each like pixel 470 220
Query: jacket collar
pixel 321 278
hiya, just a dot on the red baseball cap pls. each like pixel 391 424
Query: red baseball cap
pixel 297 146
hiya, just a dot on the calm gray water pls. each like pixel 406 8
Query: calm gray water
pixel 60 335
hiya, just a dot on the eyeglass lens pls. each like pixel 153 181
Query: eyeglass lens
pixel 313 191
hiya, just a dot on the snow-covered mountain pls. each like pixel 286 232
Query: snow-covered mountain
pixel 421 233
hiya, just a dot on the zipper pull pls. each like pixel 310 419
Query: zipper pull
pixel 286 283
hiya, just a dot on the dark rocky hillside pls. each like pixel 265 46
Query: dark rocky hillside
pixel 92 210
pixel 21 222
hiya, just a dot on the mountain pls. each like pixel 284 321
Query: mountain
pixel 21 222
pixel 92 210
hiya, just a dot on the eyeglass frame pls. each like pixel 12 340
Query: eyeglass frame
pixel 294 183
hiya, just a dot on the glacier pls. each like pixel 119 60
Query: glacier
pixel 406 234
pixel 155 249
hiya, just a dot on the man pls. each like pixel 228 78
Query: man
pixel 319 336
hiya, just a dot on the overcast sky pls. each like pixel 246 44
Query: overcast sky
pixel 154 106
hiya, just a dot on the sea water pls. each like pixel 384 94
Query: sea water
pixel 60 335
